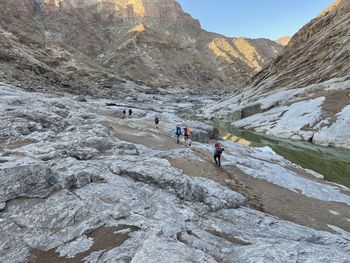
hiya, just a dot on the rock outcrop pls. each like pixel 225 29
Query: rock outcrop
pixel 123 202
pixel 157 11
pixel 317 53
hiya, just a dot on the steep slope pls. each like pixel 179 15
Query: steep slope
pixel 153 42
pixel 318 52
pixel 29 60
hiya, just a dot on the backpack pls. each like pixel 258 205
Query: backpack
pixel 185 131
pixel 178 130
pixel 188 131
pixel 218 151
pixel 156 120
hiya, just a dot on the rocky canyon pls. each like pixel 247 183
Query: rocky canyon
pixel 84 180
pixel 151 42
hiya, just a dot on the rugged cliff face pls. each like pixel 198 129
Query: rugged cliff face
pixel 167 12
pixel 318 52
pixel 153 42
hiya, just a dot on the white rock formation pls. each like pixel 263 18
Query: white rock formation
pixel 100 181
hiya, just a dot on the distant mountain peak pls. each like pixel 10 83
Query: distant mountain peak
pixel 283 41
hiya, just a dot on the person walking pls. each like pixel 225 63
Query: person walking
pixel 217 153
pixel 187 135
pixel 156 122
pixel 124 112
pixel 130 112
pixel 178 133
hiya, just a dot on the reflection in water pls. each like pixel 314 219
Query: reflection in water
pixel 332 163
pixel 235 139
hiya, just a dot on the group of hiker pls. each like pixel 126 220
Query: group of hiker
pixel 185 132
pixel 129 111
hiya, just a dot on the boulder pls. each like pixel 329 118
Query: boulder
pixel 212 131
pixel 200 136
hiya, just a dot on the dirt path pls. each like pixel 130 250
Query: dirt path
pixel 260 195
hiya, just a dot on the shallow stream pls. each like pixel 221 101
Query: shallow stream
pixel 332 163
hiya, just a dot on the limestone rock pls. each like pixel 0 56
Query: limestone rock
pixel 213 132
pixel 127 203
pixel 200 136
pixel 338 133
pixel 190 189
pixel 25 178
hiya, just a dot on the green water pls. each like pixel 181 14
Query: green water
pixel 332 163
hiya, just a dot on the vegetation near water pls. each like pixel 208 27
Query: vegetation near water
pixel 332 163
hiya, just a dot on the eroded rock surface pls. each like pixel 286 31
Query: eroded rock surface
pixel 102 182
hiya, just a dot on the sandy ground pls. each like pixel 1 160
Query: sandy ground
pixel 260 195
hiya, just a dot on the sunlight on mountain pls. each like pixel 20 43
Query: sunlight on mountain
pixel 138 28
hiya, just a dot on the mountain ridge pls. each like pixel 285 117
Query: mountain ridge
pixel 172 50
pixel 321 44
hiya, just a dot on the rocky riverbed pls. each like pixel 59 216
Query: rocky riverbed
pixel 81 181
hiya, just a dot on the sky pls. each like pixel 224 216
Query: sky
pixel 254 18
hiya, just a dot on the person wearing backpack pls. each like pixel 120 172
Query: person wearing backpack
pixel 187 135
pixel 156 121
pixel 218 150
pixel 178 133
pixel 130 112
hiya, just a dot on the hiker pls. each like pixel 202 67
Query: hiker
pixel 124 111
pixel 156 121
pixel 187 135
pixel 130 112
pixel 178 133
pixel 217 153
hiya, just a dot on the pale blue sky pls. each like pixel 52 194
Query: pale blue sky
pixel 254 18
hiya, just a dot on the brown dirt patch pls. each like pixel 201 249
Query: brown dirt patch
pixel 104 239
pixel 335 102
pixel 157 142
pixel 15 145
